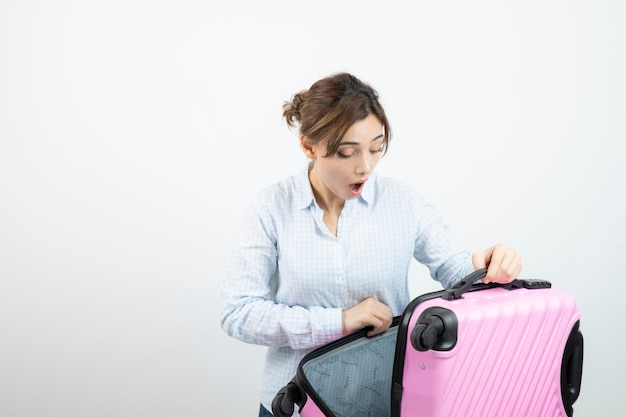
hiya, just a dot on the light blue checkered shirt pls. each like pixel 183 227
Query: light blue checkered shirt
pixel 289 278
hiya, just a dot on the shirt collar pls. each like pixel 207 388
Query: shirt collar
pixel 304 192
pixel 368 193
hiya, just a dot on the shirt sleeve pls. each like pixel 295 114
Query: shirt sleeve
pixel 436 247
pixel 249 312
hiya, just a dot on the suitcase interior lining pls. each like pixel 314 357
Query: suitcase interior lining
pixel 355 379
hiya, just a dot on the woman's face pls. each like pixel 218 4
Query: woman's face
pixel 343 174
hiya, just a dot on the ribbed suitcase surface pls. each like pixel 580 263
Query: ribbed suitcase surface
pixel 510 357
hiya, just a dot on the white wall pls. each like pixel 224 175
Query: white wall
pixel 134 133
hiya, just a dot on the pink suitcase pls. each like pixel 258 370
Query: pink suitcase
pixel 472 351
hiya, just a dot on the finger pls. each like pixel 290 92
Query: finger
pixel 496 258
pixel 377 330
pixel 388 323
pixel 374 332
pixel 516 268
pixel 382 320
pixel 378 327
pixel 510 266
pixel 504 274
pixel 479 260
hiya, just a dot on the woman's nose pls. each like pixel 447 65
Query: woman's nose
pixel 364 165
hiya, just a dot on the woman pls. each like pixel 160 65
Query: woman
pixel 327 252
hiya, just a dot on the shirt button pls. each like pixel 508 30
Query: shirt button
pixel 339 277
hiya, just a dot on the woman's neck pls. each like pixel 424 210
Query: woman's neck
pixel 328 202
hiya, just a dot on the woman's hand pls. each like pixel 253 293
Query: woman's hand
pixel 369 312
pixel 502 263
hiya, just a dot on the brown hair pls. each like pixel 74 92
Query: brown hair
pixel 331 106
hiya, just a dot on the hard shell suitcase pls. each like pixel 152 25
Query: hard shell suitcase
pixel 477 350
pixel 482 351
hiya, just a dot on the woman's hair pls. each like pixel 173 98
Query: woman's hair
pixel 331 106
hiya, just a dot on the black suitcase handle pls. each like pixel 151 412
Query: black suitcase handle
pixel 286 398
pixel 469 283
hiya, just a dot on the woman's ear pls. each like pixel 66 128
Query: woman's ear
pixel 308 150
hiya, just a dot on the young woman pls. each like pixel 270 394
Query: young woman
pixel 327 252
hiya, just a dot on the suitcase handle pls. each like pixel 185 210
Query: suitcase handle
pixel 467 283
pixel 286 398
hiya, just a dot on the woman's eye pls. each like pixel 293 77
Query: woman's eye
pixel 343 155
pixel 378 150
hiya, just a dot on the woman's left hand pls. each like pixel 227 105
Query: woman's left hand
pixel 502 262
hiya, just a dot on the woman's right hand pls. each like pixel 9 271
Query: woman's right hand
pixel 369 312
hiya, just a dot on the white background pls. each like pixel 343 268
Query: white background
pixel 134 133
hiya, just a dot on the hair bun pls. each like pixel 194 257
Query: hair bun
pixel 291 109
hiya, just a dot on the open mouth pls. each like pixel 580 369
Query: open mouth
pixel 357 187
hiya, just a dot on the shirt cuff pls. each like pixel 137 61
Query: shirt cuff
pixel 326 324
